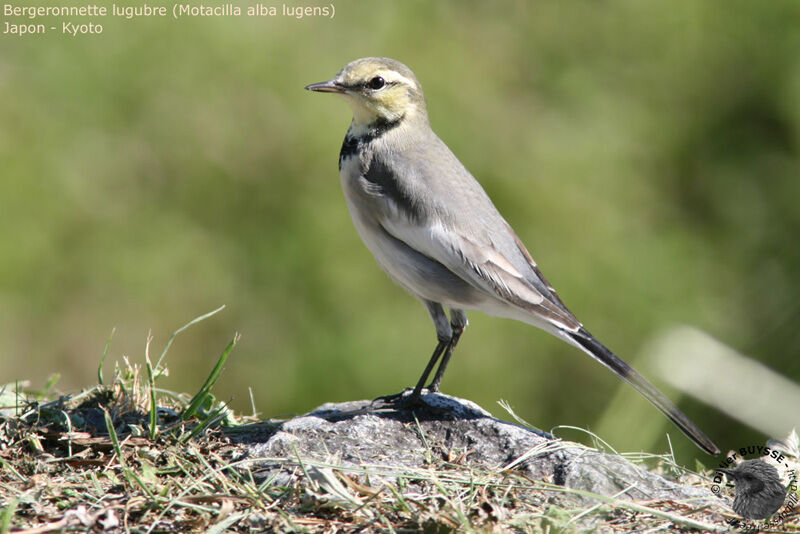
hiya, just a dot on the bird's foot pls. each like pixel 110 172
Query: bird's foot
pixel 393 397
pixel 406 399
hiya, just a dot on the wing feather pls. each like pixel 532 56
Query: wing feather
pixel 466 233
pixel 482 265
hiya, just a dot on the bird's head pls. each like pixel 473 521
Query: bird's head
pixel 378 90
pixel 753 475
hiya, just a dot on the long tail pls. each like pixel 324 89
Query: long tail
pixel 599 352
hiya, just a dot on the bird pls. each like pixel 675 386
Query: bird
pixel 434 230
pixel 759 490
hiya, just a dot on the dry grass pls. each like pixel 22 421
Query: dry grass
pixel 128 456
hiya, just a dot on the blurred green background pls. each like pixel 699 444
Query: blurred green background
pixel 646 152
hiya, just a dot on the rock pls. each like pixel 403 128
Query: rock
pixel 391 438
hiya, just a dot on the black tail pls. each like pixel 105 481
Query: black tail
pixel 600 353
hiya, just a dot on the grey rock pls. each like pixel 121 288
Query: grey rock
pixel 389 437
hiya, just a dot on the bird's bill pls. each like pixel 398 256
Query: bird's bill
pixel 728 472
pixel 331 86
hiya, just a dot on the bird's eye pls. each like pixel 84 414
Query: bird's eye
pixel 376 83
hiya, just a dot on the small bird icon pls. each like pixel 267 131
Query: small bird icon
pixel 434 230
pixel 759 490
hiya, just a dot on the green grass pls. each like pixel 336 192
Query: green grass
pixel 128 456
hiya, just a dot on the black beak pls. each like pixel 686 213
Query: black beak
pixel 331 86
pixel 728 472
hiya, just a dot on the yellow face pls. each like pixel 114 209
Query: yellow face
pixel 376 89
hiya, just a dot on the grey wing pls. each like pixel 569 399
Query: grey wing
pixel 454 222
pixel 485 267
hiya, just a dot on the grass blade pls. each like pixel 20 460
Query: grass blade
pixel 133 478
pixel 205 390
pixel 51 383
pixel 214 417
pixel 7 516
pixel 181 329
pixel 151 383
pixel 103 359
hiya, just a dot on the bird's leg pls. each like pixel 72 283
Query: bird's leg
pixel 416 395
pixel 445 334
pixel 437 352
pixel 458 321
pixel 437 378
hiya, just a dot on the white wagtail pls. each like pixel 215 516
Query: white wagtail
pixel 435 231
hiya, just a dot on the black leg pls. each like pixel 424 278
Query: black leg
pixel 416 395
pixel 448 333
pixel 444 333
pixel 437 379
pixel 437 352
pixel 458 322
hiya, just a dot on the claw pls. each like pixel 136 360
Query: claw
pixel 406 399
